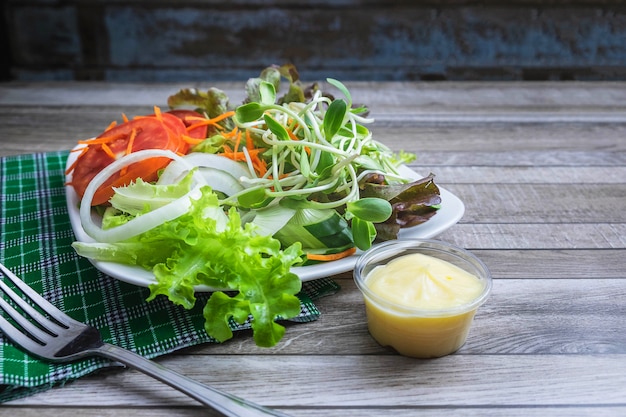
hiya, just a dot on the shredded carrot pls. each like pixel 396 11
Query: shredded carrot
pixel 124 118
pixel 231 134
pixel 190 118
pixel 292 135
pixel 195 126
pixel 108 150
pixel 331 256
pixel 201 124
pixel 237 141
pixel 212 122
pixel 113 124
pixel 260 166
pixel 249 142
pixel 129 149
pixel 131 141
pixel 223 116
pixel 101 140
pixel 192 141
pixel 157 113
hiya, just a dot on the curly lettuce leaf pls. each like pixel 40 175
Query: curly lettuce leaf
pixel 196 249
pixel 140 196
pixel 212 102
pixel 266 299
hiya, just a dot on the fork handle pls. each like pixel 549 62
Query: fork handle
pixel 225 403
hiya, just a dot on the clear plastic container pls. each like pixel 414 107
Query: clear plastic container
pixel 421 328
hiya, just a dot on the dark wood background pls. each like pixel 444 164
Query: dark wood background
pixel 204 40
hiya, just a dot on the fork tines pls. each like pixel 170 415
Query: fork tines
pixel 28 325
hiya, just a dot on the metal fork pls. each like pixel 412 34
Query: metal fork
pixel 57 337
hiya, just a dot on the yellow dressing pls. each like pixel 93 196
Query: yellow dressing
pixel 423 283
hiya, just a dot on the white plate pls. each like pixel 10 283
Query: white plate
pixel 450 213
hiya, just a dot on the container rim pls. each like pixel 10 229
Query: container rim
pixel 393 248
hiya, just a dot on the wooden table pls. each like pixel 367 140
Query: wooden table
pixel 541 168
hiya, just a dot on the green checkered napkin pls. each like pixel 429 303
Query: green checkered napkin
pixel 35 242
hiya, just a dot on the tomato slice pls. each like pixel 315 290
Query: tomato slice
pixel 150 132
pixel 189 118
pixel 177 130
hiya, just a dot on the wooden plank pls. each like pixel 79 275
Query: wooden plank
pixel 525 175
pixel 537 236
pixel 541 203
pixel 555 264
pixel 511 138
pixel 382 381
pixel 522 158
pixel 85 411
pixel 383 98
pixel 427 411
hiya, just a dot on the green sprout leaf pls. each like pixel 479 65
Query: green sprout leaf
pixel 253 198
pixel 341 87
pixel 333 119
pixel 267 92
pixel 363 233
pixel 370 209
pixel 276 128
pixel 249 112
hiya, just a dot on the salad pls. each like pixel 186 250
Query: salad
pixel 233 197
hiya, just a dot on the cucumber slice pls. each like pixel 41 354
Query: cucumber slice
pixel 315 229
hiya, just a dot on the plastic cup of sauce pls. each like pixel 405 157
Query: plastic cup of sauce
pixel 421 295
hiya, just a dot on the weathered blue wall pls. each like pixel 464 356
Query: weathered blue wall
pixel 160 40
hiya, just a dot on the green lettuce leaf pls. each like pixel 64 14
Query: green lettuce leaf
pixel 140 196
pixel 195 249
pixel 213 102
